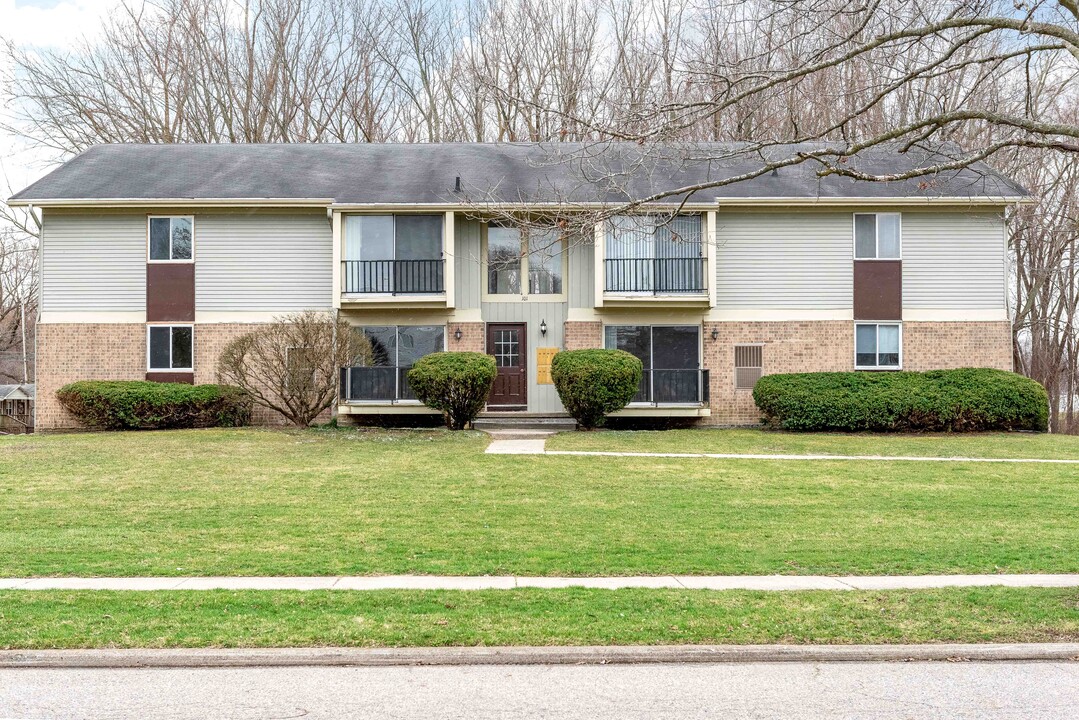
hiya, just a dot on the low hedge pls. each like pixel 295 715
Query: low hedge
pixel 964 400
pixel 594 383
pixel 143 405
pixel 457 383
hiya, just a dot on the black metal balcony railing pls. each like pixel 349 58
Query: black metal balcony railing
pixel 375 384
pixel 673 387
pixel 393 277
pixel 658 276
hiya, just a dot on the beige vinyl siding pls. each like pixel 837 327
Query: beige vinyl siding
pixel 784 259
pixel 466 263
pixel 93 262
pixel 953 260
pixel 541 398
pixel 582 274
pixel 263 261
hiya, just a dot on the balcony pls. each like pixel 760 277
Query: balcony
pixel 393 277
pixel 672 387
pixel 384 385
pixel 675 279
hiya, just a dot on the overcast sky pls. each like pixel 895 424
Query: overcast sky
pixel 48 23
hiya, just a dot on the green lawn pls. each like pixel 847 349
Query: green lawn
pixel 766 442
pixel 262 502
pixel 52 619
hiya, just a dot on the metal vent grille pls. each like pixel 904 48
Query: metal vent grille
pixel 748 365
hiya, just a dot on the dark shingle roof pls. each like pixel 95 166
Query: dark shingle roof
pixel 504 172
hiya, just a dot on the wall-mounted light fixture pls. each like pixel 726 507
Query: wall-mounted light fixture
pixel 715 334
pixel 543 328
pixel 457 334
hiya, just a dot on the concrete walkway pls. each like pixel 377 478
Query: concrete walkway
pixel 521 444
pixel 509 582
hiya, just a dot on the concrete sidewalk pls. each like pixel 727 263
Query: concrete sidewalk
pixel 526 655
pixel 509 582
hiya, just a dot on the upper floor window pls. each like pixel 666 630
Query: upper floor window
pixel 517 256
pixel 170 348
pixel 654 254
pixel 877 236
pixel 171 239
pixel 393 254
pixel 877 345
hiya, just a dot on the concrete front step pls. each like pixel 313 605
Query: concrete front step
pixel 489 421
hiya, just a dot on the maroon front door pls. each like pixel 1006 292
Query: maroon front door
pixel 506 341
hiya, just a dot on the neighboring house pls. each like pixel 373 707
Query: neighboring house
pixel 154 257
pixel 16 409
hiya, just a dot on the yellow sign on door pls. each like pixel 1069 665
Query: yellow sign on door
pixel 544 355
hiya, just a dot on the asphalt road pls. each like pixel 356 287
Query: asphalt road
pixel 756 690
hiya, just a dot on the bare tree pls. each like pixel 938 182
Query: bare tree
pixel 290 365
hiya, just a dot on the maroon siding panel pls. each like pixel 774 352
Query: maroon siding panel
pixel 177 377
pixel 170 292
pixel 878 290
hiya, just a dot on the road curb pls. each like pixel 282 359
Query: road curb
pixel 381 657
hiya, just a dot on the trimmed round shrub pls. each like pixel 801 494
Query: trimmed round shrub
pixel 594 383
pixel 964 400
pixel 457 383
pixel 144 405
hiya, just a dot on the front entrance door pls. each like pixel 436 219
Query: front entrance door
pixel 507 343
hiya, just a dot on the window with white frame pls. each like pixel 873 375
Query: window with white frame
pixel 877 345
pixel 877 236
pixel 515 254
pixel 171 239
pixel 170 348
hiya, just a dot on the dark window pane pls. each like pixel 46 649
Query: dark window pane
pixel 181 238
pixel 383 341
pixel 160 358
pixel 865 236
pixel 866 360
pixel 503 261
pixel 419 237
pixel 416 341
pixel 676 347
pixel 181 347
pixel 159 238
pixel 889 359
pixel 634 339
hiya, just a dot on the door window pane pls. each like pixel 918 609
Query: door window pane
pixel 383 340
pixel 888 345
pixel 888 235
pixel 181 348
pixel 503 261
pixel 634 339
pixel 181 238
pixel 369 237
pixel 544 262
pixel 865 236
pixel 416 341
pixel 676 347
pixel 160 353
pixel 865 345
pixel 507 350
pixel 419 237
pixel 159 238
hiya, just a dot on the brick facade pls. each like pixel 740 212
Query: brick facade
pixel 943 345
pixel 87 351
pixel 582 335
pixel 210 340
pixel 473 337
pixel 811 346
pixel 828 346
